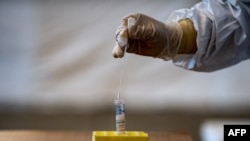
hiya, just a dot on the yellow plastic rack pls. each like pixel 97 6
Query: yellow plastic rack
pixel 119 136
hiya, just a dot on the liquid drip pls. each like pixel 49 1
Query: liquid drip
pixel 122 74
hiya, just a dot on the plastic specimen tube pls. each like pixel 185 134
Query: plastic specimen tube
pixel 120 115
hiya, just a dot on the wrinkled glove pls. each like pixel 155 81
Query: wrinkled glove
pixel 143 35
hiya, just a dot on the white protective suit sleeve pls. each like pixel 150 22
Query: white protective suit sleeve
pixel 223 34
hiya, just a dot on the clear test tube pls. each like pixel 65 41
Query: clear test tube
pixel 120 115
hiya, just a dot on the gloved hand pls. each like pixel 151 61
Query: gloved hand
pixel 143 35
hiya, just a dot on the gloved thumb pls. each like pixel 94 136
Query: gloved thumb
pixel 122 37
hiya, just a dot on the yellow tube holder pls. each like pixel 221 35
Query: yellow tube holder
pixel 119 136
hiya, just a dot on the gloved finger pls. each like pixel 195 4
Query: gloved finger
pixel 147 36
pixel 122 31
pixel 142 27
pixel 117 51
pixel 134 46
pixel 137 26
pixel 122 38
pixel 129 22
pixel 142 48
pixel 121 42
